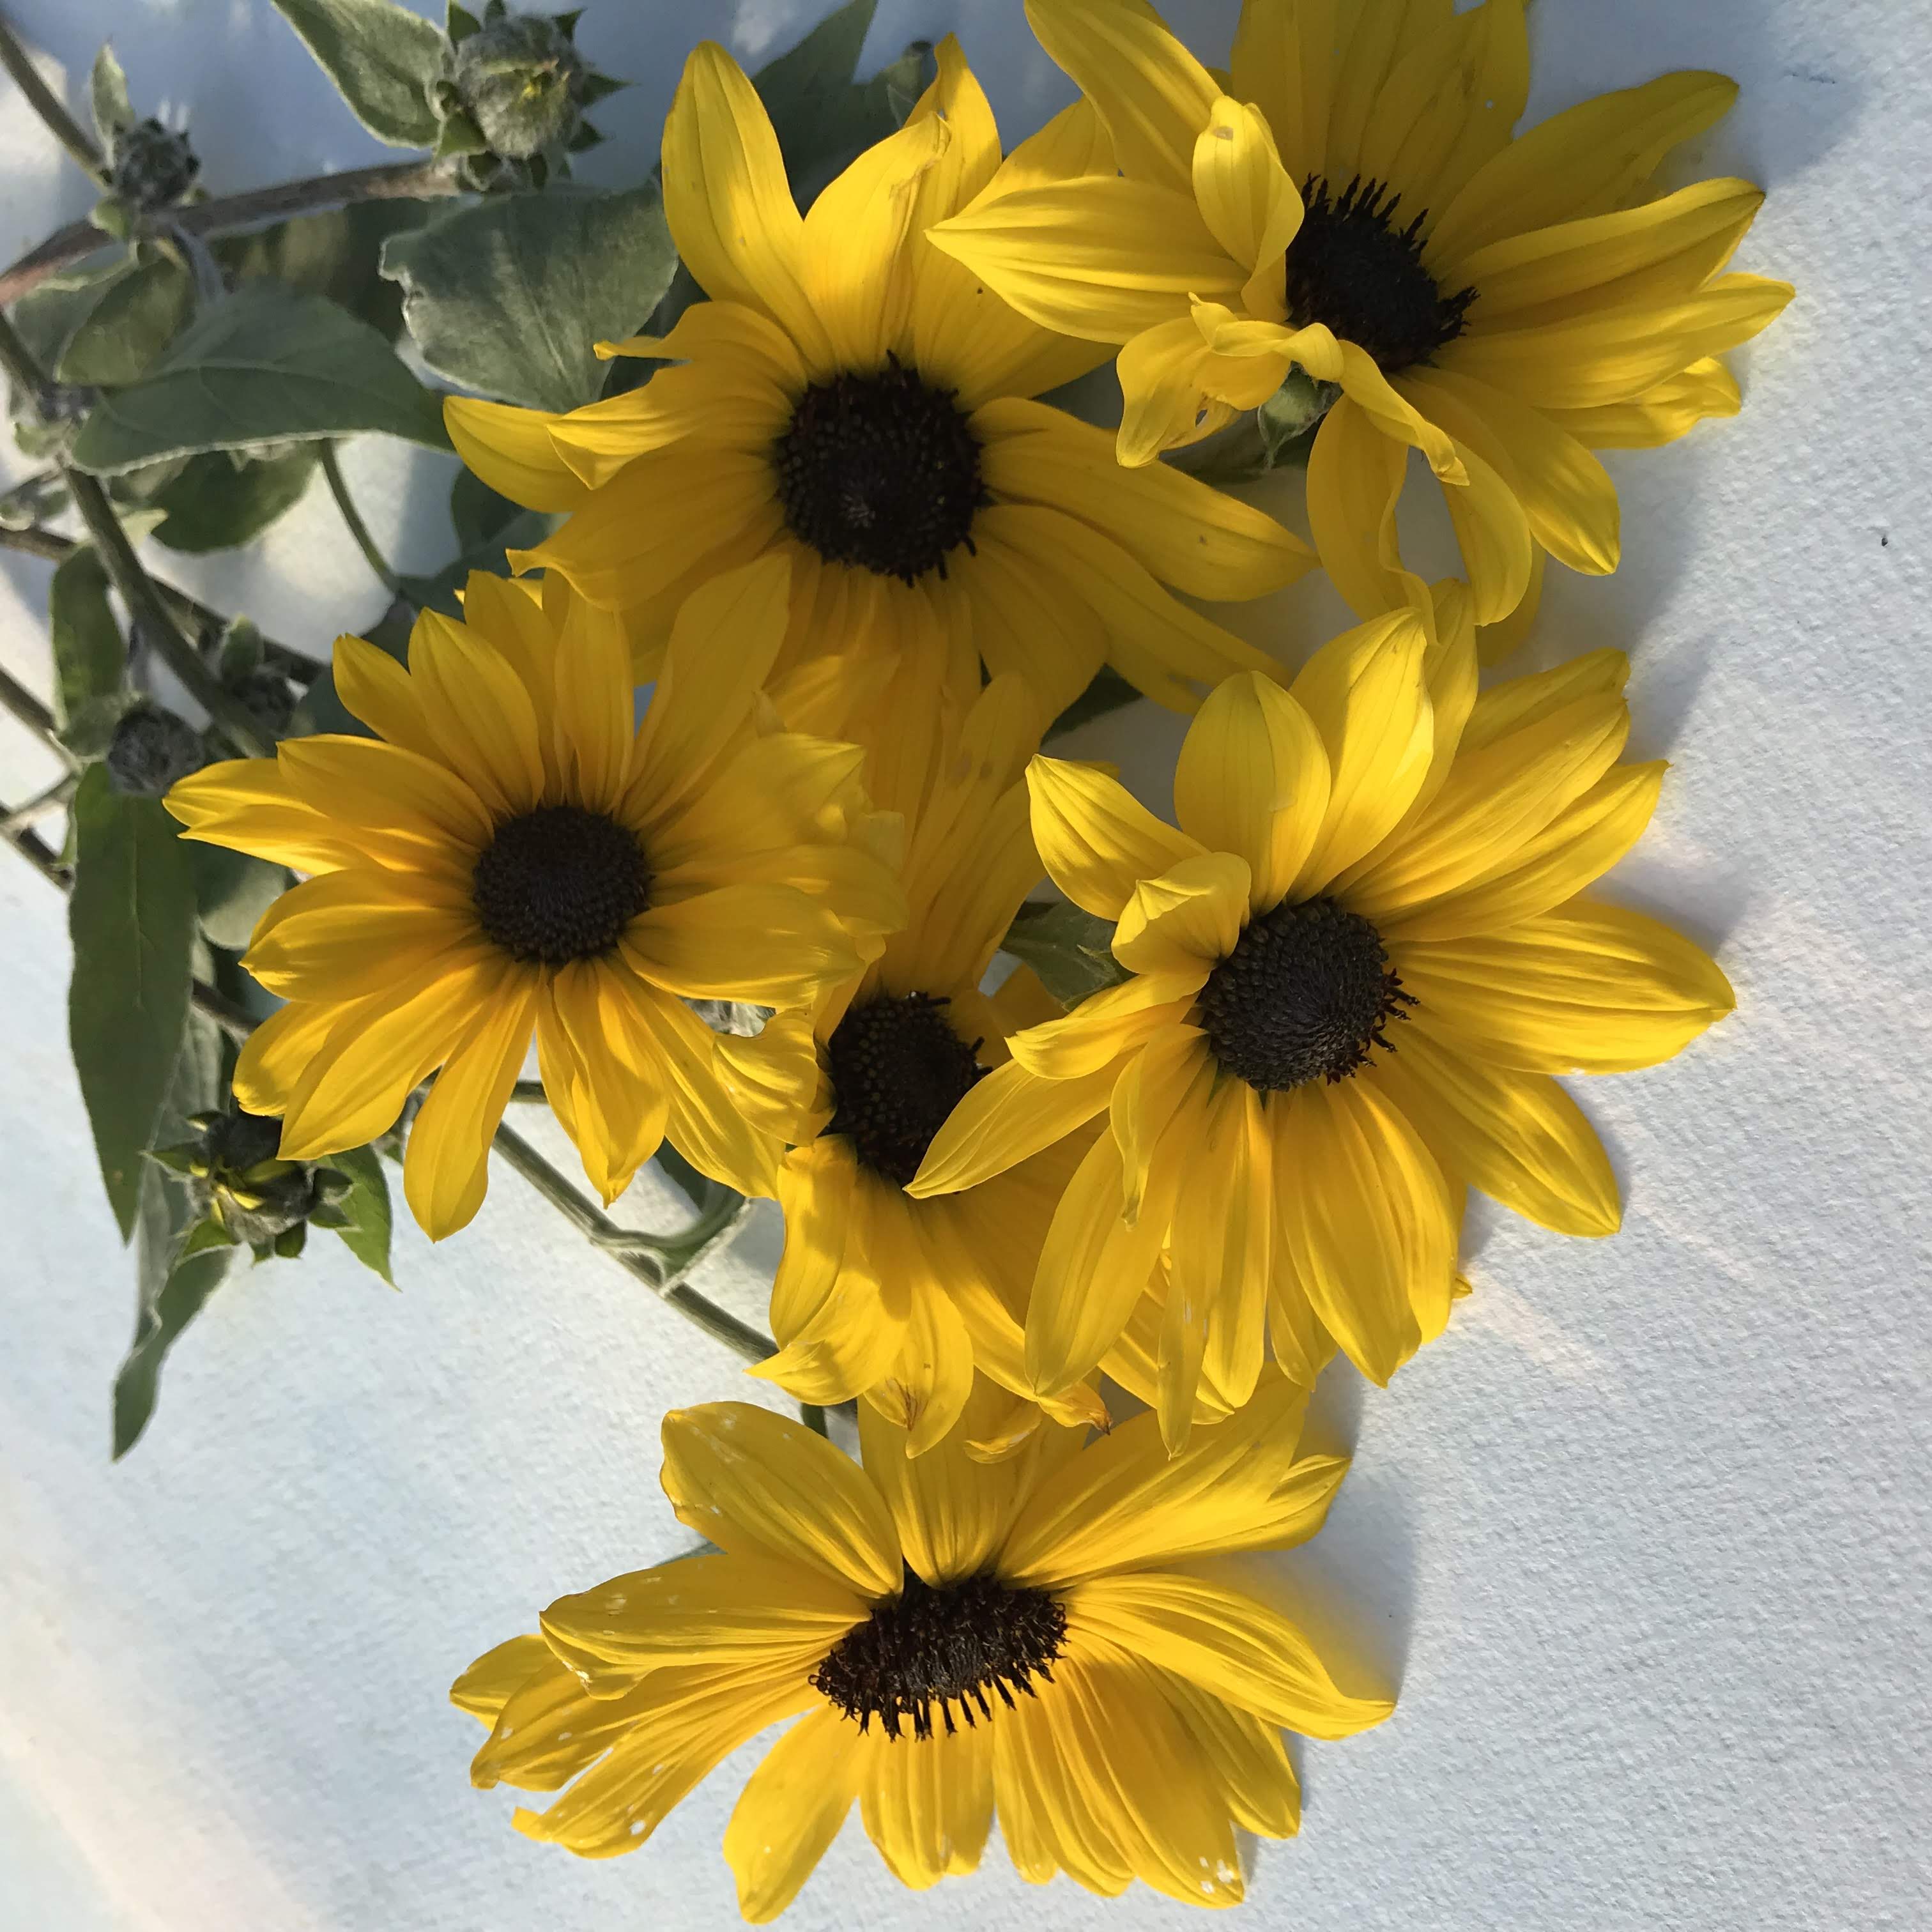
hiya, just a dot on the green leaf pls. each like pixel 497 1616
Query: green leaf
pixel 1069 949
pixel 107 96
pixel 90 659
pixel 47 317
pixel 138 316
pixel 157 1326
pixel 132 918
pixel 241 653
pixel 263 366
pixel 508 297
pixel 527 529
pixel 232 890
pixel 478 514
pixel 382 58
pixel 217 503
pixel 1108 692
pixel 823 117
pixel 366 1206
pixel 204 1235
pixel 337 254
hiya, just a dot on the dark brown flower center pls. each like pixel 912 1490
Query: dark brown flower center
pixel 559 883
pixel 1351 268
pixel 882 471
pixel 948 1645
pixel 1305 994
pixel 897 1070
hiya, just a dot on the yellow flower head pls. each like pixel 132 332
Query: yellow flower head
pixel 509 854
pixel 854 399
pixel 952 1638
pixel 1353 205
pixel 1355 966
pixel 878 1295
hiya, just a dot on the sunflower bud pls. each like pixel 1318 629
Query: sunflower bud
pixel 510 95
pixel 153 167
pixel 238 1183
pixel 151 748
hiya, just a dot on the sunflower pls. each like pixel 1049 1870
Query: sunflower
pixel 1352 204
pixel 951 1638
pixel 1354 969
pixel 507 856
pixel 853 399
pixel 877 1294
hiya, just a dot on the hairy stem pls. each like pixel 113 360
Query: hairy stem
pixel 393 181
pixel 36 541
pixel 47 104
pixel 372 554
pixel 177 649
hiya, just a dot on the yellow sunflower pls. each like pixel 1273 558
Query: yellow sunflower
pixel 952 1639
pixel 1352 204
pixel 853 399
pixel 878 1295
pixel 1355 968
pixel 509 855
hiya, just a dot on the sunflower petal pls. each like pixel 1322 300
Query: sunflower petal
pixel 1228 1644
pixel 1096 840
pixel 790 1811
pixel 759 1484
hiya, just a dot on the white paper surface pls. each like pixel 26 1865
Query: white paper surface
pixel 1643 1540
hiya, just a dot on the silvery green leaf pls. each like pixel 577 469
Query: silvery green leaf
pixel 382 58
pixel 264 366
pixel 216 503
pixel 1071 950
pixel 508 297
pixel 107 96
pixel 90 658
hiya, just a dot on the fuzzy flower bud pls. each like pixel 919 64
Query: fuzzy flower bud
pixel 151 749
pixel 153 166
pixel 238 1182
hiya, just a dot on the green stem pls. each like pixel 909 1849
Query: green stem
pixel 144 603
pixel 813 1416
pixel 338 488
pixel 664 1281
pixel 390 181
pixel 37 807
pixel 16 698
pixel 37 541
pixel 41 98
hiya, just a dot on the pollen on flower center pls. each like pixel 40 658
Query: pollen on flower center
pixel 943 1646
pixel 1306 993
pixel 1350 268
pixel 880 470
pixel 559 883
pixel 897 1070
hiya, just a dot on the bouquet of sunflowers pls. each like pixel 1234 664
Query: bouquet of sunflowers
pixel 709 799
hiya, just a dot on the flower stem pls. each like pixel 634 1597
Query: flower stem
pixel 663 1277
pixel 36 541
pixel 16 698
pixel 42 99
pixel 177 649
pixel 390 181
pixel 372 554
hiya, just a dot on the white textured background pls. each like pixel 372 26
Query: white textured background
pixel 1643 1540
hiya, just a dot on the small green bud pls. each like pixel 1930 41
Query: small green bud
pixel 238 1183
pixel 151 748
pixel 518 79
pixel 266 697
pixel 152 166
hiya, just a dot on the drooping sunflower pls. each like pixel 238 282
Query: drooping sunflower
pixel 878 1295
pixel 1353 205
pixel 854 399
pixel 509 855
pixel 952 1639
pixel 1355 968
